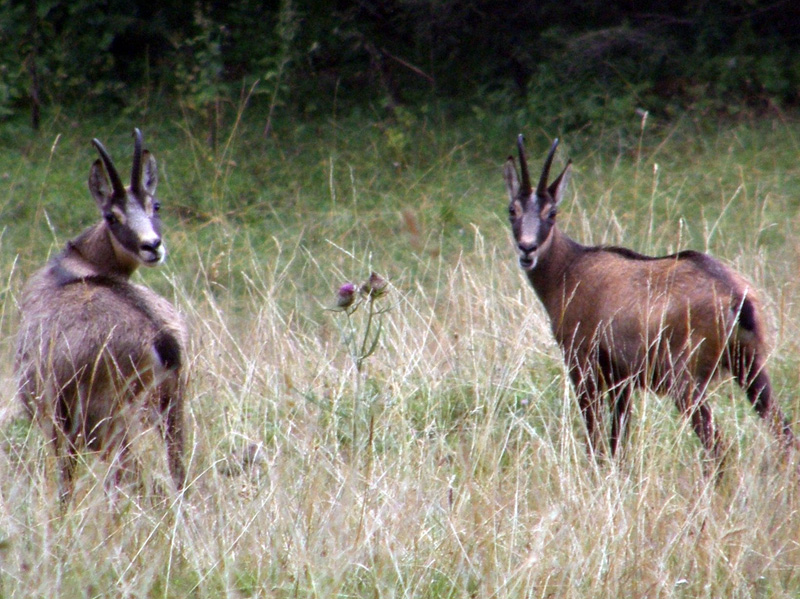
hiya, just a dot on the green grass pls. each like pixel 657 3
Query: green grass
pixel 454 464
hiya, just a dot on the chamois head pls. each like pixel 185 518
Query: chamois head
pixel 533 213
pixel 130 214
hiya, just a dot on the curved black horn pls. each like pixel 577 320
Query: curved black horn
pixel 523 163
pixel 136 169
pixel 116 182
pixel 542 189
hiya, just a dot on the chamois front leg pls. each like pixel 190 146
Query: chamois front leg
pixel 621 406
pixel 584 381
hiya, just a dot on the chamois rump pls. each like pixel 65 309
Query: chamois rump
pixel 625 321
pixel 96 353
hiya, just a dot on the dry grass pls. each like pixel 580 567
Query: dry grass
pixel 453 465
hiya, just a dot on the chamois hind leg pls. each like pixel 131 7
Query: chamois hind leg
pixel 621 406
pixel 66 460
pixel 64 447
pixel 748 368
pixel 171 400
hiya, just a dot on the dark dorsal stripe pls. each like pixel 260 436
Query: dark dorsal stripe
pixel 633 255
pixel 704 262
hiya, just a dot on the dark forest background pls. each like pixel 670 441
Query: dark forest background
pixel 572 60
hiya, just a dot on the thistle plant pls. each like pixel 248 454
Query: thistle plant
pixel 361 331
pixel 361 336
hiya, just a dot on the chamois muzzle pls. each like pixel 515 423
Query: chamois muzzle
pixel 527 255
pixel 152 252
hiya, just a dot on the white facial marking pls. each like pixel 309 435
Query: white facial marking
pixel 139 222
pixel 161 252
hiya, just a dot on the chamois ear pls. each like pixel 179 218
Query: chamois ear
pixel 557 187
pixel 511 179
pixel 149 173
pixel 99 185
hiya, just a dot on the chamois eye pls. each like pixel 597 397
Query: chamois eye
pixel 512 211
pixel 110 218
pixel 156 206
pixel 552 214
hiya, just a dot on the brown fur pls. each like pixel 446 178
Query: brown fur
pixel 95 350
pixel 627 321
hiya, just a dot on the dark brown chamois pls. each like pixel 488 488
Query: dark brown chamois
pixel 95 351
pixel 625 321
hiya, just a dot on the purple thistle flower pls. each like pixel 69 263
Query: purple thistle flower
pixel 375 286
pixel 346 296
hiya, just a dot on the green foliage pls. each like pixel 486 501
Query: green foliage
pixel 565 61
pixel 69 45
pixel 14 50
pixel 278 63
pixel 199 72
pixel 749 74
pixel 578 102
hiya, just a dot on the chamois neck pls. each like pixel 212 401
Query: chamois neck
pixel 548 277
pixel 93 254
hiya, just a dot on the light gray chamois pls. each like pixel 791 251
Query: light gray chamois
pixel 95 352
pixel 625 321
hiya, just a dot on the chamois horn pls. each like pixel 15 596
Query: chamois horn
pixel 542 189
pixel 116 182
pixel 136 169
pixel 523 164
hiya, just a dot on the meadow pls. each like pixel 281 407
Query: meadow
pixel 431 448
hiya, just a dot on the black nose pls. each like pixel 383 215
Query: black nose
pixel 527 248
pixel 151 246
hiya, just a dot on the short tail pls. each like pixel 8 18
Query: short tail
pixel 747 318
